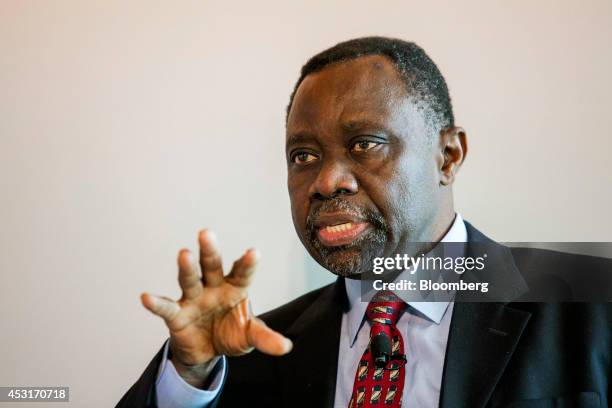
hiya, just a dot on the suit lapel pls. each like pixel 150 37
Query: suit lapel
pixel 481 341
pixel 483 335
pixel 308 373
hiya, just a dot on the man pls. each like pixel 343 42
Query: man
pixel 372 152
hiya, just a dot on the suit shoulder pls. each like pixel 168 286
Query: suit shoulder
pixel 564 276
pixel 241 380
pixel 528 257
pixel 283 316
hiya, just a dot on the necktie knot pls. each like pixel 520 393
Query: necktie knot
pixel 385 308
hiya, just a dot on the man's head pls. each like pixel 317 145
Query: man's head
pixel 372 151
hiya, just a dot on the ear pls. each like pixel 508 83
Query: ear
pixel 453 149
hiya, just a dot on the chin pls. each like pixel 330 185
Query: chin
pixel 343 262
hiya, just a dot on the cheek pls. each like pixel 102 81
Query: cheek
pixel 387 189
pixel 298 196
pixel 402 191
pixel 419 187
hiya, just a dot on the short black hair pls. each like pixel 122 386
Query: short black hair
pixel 423 79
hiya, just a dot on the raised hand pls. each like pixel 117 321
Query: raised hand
pixel 213 317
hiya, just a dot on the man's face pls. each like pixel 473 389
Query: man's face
pixel 363 177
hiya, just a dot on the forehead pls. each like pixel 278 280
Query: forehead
pixel 367 88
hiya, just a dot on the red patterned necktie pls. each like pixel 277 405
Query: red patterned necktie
pixel 379 381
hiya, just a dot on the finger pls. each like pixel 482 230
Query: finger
pixel 165 308
pixel 210 259
pixel 244 268
pixel 188 277
pixel 267 340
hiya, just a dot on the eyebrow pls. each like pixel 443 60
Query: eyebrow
pixel 355 125
pixel 299 137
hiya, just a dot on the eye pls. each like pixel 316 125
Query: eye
pixel 364 145
pixel 302 157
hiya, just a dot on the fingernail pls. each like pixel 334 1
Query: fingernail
pixel 209 236
pixel 288 345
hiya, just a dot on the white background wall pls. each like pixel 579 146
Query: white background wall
pixel 126 126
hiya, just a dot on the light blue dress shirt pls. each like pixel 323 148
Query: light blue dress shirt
pixel 424 327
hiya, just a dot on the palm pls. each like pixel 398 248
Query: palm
pixel 208 327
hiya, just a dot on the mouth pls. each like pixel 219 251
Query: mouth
pixel 339 229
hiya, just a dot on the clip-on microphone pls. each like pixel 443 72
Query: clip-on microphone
pixel 381 351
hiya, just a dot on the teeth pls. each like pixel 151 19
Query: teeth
pixel 339 227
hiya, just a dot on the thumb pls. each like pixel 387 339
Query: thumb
pixel 267 340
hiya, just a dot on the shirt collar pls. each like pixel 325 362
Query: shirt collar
pixel 433 311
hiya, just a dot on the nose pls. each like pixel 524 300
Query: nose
pixel 334 179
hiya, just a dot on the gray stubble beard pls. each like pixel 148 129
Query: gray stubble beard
pixel 353 259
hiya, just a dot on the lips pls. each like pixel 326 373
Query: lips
pixel 335 229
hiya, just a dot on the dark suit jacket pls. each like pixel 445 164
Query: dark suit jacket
pixel 515 354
